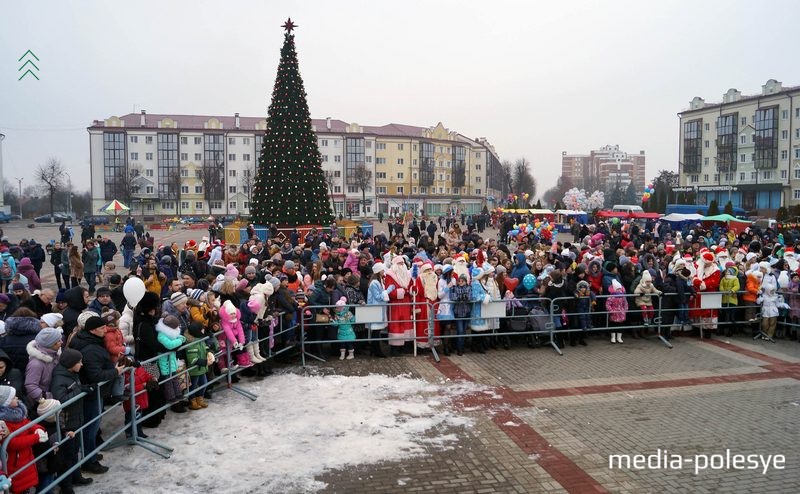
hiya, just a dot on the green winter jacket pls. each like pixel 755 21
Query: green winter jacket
pixel 727 285
pixel 196 355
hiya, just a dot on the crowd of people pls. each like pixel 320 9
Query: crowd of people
pixel 205 300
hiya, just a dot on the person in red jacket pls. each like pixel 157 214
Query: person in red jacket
pixel 20 452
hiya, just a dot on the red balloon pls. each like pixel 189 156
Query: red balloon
pixel 511 283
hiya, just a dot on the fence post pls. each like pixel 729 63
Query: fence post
pixel 658 320
pixel 431 332
pixel 552 324
pixel 243 392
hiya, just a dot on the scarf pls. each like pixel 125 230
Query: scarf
pixel 167 331
pixel 17 414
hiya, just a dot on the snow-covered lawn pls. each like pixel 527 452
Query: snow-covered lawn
pixel 301 426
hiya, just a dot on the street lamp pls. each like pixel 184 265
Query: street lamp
pixel 19 199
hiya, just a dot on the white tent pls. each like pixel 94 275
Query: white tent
pixel 677 218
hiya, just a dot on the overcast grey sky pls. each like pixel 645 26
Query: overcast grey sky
pixel 535 78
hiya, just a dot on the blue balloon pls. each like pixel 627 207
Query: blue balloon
pixel 529 281
pixel 514 233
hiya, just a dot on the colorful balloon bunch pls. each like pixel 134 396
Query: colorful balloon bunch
pixel 542 229
pixel 576 199
pixel 648 191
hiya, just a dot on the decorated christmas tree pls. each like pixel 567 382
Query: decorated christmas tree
pixel 290 186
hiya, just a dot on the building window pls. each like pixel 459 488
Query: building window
pixel 214 160
pixel 245 140
pixel 766 138
pixel 198 157
pixel 232 205
pixel 459 163
pixel 148 156
pixel 478 191
pixel 744 121
pixel 399 147
pixel 149 189
pixel 784 114
pixel 184 156
pixel 753 175
pixel 743 158
pixel 427 164
pixel 354 158
pixel 148 140
pixel 231 189
pixel 324 158
pixel 705 161
pixel 197 140
pixel 694 178
pixel 441 190
pixel 337 173
pixel 134 139
pixel 352 189
pixel 368 144
pixel 743 139
pixel 400 161
pixel 184 205
pixel 380 175
pixel 767 175
pixel 423 190
pixel 245 157
pixel 705 127
pixel 705 144
pixel 716 177
pixel 184 173
pixel 478 179
pixel 400 175
pixel 323 142
pixel 231 157
pixel 413 190
pixel 741 176
pixel 705 177
pixel 337 159
pixel 246 204
pixel 231 173
pixel 795 194
pixel 380 146
pixel 215 204
pixel 692 153
pixel 784 174
pixel 368 158
pixel 456 190
pixel 381 190
pixel 797 173
pixel 231 140
pixel 380 161
pixel 198 189
pixel 148 172
pixel 414 162
pixel 797 153
pixel 727 146
pixel 337 189
pixel 784 154
pixel 167 205
pixel 198 205
pixel 184 140
pixel 400 190
pixel 134 156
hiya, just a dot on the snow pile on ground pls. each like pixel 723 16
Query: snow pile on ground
pixel 299 428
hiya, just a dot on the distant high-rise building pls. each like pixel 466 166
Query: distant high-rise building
pixel 605 169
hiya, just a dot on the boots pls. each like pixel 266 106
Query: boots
pixel 257 352
pixel 619 337
pixel 350 355
pixel 341 353
pixel 202 402
pixel 251 352
pixel 194 404
pixel 613 337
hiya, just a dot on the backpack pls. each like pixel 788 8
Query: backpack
pixel 5 269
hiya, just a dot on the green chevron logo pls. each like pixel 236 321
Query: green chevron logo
pixel 28 63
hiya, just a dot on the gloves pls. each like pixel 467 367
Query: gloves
pixel 486 299
pixel 391 289
pixel 385 295
pixel 5 483
pixel 43 437
pixel 401 293
pixel 210 358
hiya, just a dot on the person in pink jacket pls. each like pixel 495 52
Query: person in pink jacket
pixel 352 262
pixel 232 335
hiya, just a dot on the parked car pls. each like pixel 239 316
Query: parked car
pixel 57 218
pixel 14 217
pixel 96 220
pixel 4 218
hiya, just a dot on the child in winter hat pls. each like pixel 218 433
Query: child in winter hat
pixel 344 319
pixel 15 416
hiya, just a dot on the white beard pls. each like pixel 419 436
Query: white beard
pixel 400 274
pixel 429 283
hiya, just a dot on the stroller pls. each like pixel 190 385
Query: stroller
pixel 517 322
pixel 539 321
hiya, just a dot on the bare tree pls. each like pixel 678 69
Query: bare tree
pixel 523 180
pixel 211 178
pixel 248 182
pixel 125 187
pixel 51 178
pixel 174 181
pixel 330 181
pixel 362 178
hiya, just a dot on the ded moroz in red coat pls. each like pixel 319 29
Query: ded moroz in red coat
pixel 706 280
pixel 398 282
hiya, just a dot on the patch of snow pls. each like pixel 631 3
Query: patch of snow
pixel 534 457
pixel 300 427
pixel 511 424
pixel 403 481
